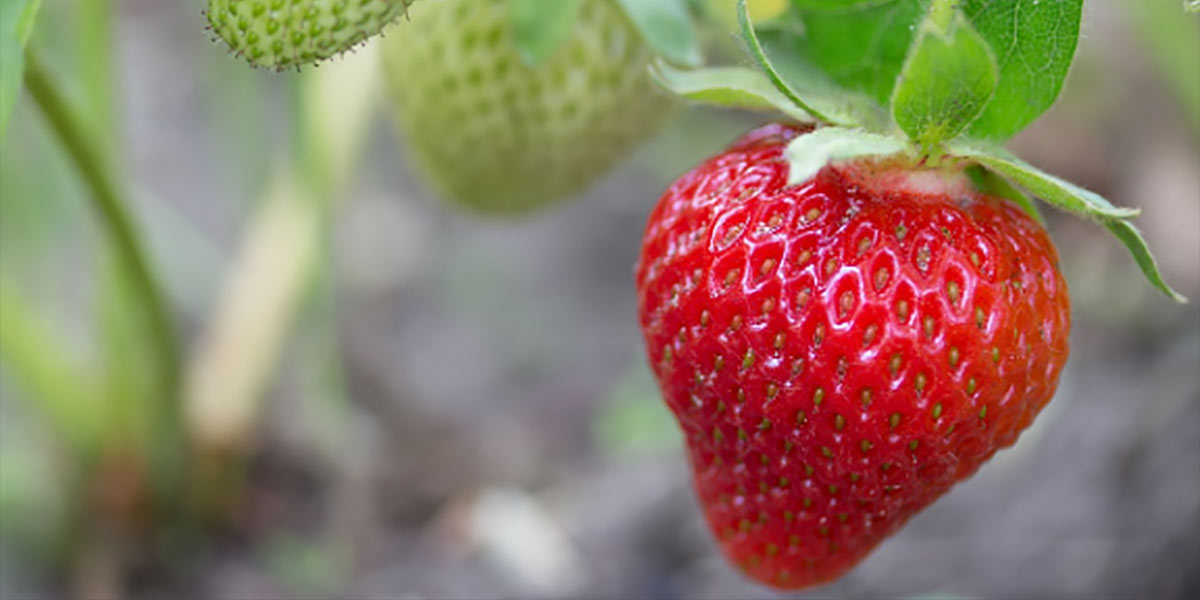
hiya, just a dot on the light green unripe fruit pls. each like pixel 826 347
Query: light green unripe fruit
pixel 498 135
pixel 284 34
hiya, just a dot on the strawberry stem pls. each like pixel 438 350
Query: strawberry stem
pixel 110 206
pixel 760 56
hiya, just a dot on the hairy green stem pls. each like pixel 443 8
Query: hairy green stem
pixel 110 207
pixel 760 56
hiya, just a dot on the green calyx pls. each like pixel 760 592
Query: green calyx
pixel 926 82
pixel 948 78
pixel 286 34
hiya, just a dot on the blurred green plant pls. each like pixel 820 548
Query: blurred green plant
pixel 1174 46
pixel 119 434
pixel 138 456
pixel 633 421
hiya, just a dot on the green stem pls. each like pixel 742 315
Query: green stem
pixel 760 56
pixel 109 206
pixel 39 361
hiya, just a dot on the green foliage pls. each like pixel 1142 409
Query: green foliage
pixel 989 182
pixel 841 105
pixel 862 46
pixel 947 82
pixel 949 76
pixel 16 23
pixel 1034 43
pixel 823 102
pixel 1173 43
pixel 1136 244
pixel 1073 199
pixel 667 28
pixel 35 494
pixel 736 87
pixel 33 354
pixel 1049 188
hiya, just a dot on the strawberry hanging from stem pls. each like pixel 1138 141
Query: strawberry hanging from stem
pixel 851 313
pixel 285 34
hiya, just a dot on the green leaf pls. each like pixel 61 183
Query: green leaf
pixel 1174 46
pixel 36 355
pixel 541 26
pixel 824 103
pixel 1074 199
pixel 948 78
pixel 844 107
pixel 735 87
pixel 1133 240
pixel 667 27
pixel 16 23
pixel 1034 43
pixel 1059 192
pixel 808 154
pixel 862 46
pixel 990 183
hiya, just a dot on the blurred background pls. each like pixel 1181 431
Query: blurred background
pixel 387 398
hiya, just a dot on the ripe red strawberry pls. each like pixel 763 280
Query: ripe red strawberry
pixel 841 352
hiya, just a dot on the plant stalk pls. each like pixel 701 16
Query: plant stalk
pixel 111 208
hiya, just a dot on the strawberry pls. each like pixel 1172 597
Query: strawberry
pixel 497 134
pixel 290 33
pixel 841 352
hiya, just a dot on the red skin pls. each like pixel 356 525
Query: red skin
pixel 833 372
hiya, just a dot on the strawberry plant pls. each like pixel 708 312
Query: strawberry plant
pixel 846 312
pixel 850 316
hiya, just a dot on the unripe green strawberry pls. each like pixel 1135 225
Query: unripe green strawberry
pixel 498 135
pixel 291 33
